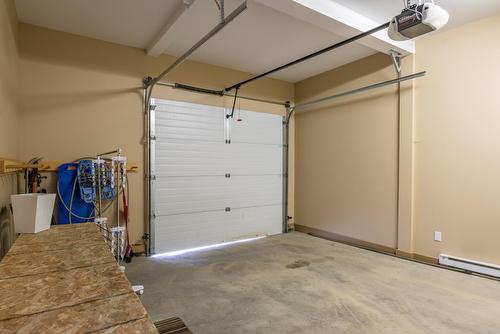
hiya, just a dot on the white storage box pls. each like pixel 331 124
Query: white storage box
pixel 32 212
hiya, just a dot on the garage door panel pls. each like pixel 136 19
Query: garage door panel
pixel 181 205
pixel 257 128
pixel 255 221
pixel 177 195
pixel 192 135
pixel 185 108
pixel 201 229
pixel 186 121
pixel 187 185
pixel 179 130
pixel 190 121
pixel 192 230
pixel 254 159
pixel 191 190
pixel 248 191
pixel 178 158
pixel 193 116
pixel 180 148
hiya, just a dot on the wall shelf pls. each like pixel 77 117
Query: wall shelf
pixel 9 166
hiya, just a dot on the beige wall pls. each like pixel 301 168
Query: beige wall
pixel 82 96
pixel 457 142
pixel 346 151
pixel 346 154
pixel 9 116
pixel 9 108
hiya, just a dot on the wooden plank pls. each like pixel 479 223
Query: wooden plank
pixel 63 280
pixel 93 316
pixel 143 326
pixel 10 166
pixel 23 264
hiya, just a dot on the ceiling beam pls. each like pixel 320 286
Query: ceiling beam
pixel 165 36
pixel 340 20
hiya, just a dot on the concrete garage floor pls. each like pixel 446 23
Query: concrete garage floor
pixel 296 283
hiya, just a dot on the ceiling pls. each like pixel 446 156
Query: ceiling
pixel 127 22
pixel 259 39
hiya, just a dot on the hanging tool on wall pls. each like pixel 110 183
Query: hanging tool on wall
pixel 128 248
pixel 33 178
pixel 87 180
pixel 95 178
pixel 71 207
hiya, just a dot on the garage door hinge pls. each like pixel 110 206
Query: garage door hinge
pixel 228 209
pixel 228 141
pixel 153 137
pixel 227 175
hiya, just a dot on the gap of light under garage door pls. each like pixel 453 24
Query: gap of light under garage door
pixel 197 249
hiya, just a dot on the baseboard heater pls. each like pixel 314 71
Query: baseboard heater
pixel 470 265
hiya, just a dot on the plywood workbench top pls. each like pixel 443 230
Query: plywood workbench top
pixel 65 280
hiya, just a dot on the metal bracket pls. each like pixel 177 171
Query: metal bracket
pixel 396 60
pixel 146 82
pixel 220 5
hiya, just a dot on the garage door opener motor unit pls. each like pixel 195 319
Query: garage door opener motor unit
pixel 416 20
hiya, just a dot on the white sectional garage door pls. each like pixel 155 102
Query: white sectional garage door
pixel 216 180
